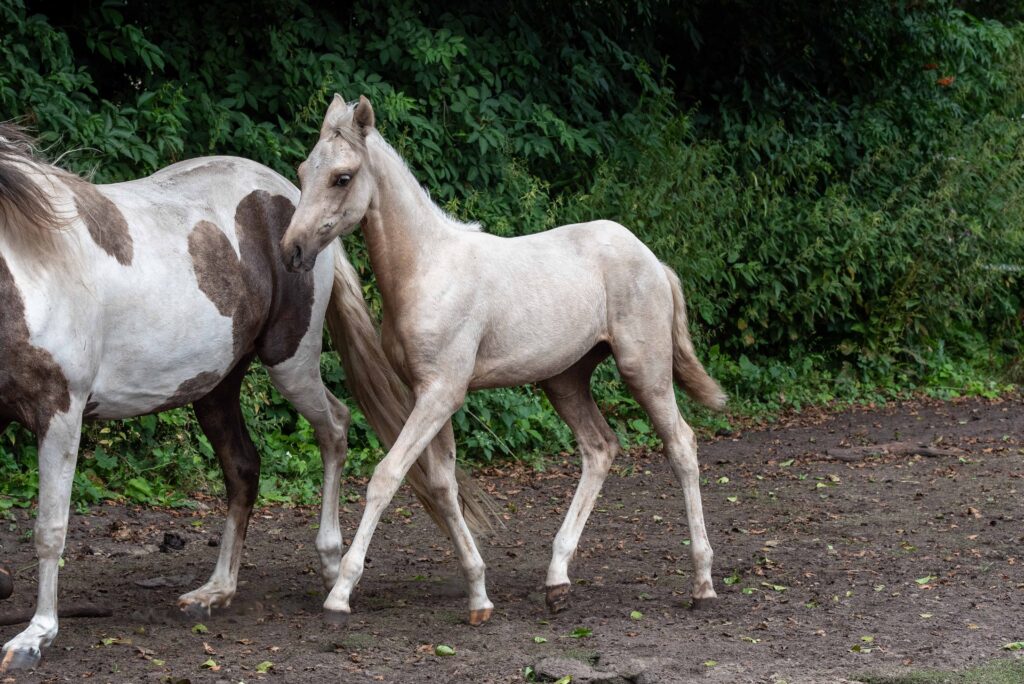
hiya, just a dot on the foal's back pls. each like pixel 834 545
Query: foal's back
pixel 542 301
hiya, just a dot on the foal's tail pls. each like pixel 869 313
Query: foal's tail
pixel 686 367
pixel 384 400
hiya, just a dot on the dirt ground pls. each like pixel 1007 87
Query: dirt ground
pixel 827 570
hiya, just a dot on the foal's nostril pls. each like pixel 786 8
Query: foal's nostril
pixel 297 256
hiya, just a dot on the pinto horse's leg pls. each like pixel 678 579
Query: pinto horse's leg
pixel 220 416
pixel 58 453
pixel 298 380
pixel 570 394
pixel 433 407
pixel 439 464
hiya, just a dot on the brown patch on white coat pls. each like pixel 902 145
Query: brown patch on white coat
pixel 238 286
pixel 33 387
pixel 104 221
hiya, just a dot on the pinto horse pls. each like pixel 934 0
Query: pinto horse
pixel 464 310
pixel 132 298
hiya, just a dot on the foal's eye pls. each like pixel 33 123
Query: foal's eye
pixel 343 180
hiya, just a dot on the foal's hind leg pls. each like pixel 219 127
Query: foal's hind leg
pixel 58 452
pixel 651 385
pixel 570 395
pixel 220 416
pixel 298 379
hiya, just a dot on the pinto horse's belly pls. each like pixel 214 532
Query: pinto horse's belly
pixel 160 368
pixel 165 343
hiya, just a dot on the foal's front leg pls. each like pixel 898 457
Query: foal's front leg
pixel 439 464
pixel 434 406
pixel 58 453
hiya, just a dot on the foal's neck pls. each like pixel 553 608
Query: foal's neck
pixel 403 228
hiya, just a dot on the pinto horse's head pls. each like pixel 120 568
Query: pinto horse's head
pixel 337 184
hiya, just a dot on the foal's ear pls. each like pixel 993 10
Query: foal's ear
pixel 335 110
pixel 337 105
pixel 363 115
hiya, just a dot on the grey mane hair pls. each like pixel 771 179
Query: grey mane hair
pixel 382 144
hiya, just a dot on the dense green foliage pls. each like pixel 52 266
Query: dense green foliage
pixel 838 185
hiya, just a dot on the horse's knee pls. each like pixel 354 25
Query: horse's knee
pixel 329 548
pixel 383 483
pixel 341 413
pixel 332 434
pixel 49 539
pixel 242 482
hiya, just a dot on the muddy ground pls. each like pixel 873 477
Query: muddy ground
pixel 826 570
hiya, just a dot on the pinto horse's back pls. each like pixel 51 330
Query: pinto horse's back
pixel 200 285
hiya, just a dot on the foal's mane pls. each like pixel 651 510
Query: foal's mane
pixel 342 127
pixel 380 143
pixel 28 217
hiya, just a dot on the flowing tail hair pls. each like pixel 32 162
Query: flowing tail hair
pixel 686 367
pixel 383 398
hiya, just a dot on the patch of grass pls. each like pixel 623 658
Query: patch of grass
pixel 1002 671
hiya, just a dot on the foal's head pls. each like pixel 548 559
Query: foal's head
pixel 337 184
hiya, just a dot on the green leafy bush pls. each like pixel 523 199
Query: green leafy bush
pixel 839 188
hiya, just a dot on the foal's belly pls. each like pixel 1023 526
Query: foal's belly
pixel 515 370
pixel 538 347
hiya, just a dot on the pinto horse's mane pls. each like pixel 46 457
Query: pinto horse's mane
pixel 28 217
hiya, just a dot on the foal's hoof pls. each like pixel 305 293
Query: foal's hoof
pixel 6 583
pixel 196 611
pixel 557 598
pixel 480 616
pixel 338 618
pixel 702 603
pixel 17 659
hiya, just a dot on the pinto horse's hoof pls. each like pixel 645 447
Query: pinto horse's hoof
pixel 6 582
pixel 480 616
pixel 557 598
pixel 337 618
pixel 20 659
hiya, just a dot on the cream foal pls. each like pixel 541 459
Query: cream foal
pixel 464 310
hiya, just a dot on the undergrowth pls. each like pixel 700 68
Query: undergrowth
pixel 840 190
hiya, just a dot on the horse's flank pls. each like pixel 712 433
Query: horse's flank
pixel 30 217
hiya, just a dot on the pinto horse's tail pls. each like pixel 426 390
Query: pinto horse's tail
pixel 383 398
pixel 687 368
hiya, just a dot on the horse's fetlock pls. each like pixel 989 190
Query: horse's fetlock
pixel 475 571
